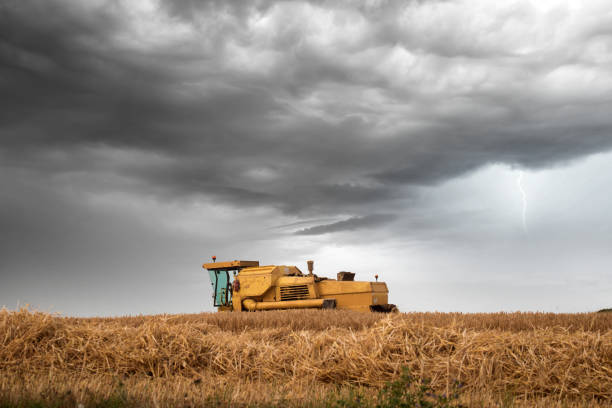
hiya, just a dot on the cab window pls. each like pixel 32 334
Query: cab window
pixel 221 284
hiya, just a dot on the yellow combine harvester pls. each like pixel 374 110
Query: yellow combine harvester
pixel 244 285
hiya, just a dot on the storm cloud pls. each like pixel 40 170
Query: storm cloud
pixel 252 103
pixel 350 224
pixel 301 109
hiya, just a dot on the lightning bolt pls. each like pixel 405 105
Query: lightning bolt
pixel 524 196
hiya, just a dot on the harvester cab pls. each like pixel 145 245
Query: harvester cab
pixel 222 277
pixel 245 285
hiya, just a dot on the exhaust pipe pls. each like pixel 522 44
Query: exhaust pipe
pixel 310 266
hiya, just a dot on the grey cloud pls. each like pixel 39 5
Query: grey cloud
pixel 351 224
pixel 337 116
pixel 299 223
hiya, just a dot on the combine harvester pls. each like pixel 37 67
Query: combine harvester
pixel 244 285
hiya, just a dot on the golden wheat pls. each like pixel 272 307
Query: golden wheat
pixel 310 320
pixel 293 354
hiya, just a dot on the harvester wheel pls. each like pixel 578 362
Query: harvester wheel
pixel 329 304
pixel 388 308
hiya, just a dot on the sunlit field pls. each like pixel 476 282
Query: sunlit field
pixel 306 358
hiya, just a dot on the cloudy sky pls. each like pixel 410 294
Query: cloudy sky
pixel 461 150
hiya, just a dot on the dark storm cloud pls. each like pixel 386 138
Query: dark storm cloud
pixel 354 223
pixel 311 108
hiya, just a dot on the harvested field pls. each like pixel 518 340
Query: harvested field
pixel 306 357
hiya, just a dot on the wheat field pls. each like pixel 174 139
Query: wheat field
pixel 304 358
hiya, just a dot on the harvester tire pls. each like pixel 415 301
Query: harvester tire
pixel 329 304
pixel 388 308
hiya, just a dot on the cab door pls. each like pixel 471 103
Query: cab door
pixel 221 284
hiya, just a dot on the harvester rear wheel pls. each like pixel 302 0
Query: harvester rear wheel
pixel 388 308
pixel 329 304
